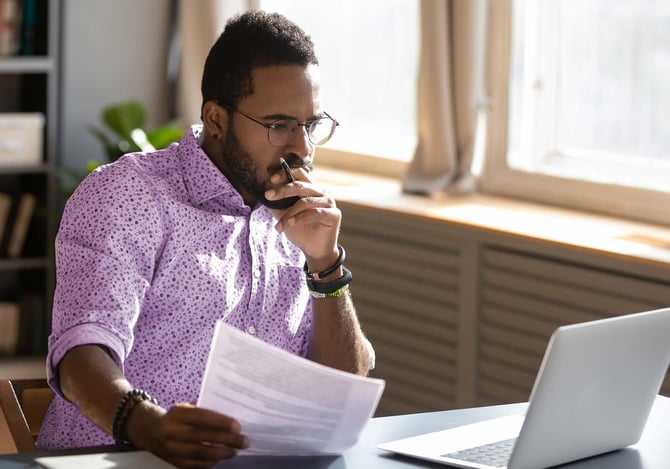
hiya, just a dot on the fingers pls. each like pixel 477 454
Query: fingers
pixel 307 213
pixel 190 436
pixel 197 416
pixel 314 205
pixel 312 223
pixel 298 188
pixel 187 423
pixel 311 196
pixel 184 434
pixel 195 456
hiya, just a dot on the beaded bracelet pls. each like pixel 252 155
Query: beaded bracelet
pixel 124 409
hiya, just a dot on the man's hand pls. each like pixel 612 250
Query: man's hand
pixel 312 223
pixel 186 436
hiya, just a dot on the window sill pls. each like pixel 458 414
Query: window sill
pixel 361 162
pixel 643 242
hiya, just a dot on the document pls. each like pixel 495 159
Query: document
pixel 287 405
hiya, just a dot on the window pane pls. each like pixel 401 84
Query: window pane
pixel 368 52
pixel 589 90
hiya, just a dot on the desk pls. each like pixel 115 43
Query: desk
pixel 650 453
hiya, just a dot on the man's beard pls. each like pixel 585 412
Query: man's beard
pixel 243 169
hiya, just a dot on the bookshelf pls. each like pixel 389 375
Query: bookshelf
pixel 29 83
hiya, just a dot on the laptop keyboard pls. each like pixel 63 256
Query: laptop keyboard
pixel 495 454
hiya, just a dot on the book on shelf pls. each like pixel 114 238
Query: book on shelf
pixel 19 231
pixel 28 28
pixel 23 27
pixel 23 331
pixel 33 27
pixel 17 224
pixel 5 209
pixel 9 328
pixel 10 27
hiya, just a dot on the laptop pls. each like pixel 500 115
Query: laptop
pixel 593 393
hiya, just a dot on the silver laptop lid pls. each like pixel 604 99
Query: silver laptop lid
pixel 596 385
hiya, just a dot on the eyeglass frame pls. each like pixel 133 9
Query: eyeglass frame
pixel 306 125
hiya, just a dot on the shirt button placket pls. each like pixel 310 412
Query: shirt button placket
pixel 256 273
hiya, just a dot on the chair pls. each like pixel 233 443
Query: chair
pixel 23 404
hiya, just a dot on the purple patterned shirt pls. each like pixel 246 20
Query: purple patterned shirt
pixel 152 250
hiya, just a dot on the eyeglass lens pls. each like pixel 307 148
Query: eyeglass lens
pixel 284 131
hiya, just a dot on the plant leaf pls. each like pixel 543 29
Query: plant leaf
pixel 92 165
pixel 140 139
pixel 123 133
pixel 124 117
pixel 164 136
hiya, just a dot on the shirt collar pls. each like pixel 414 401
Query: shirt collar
pixel 204 181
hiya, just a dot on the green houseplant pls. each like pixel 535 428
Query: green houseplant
pixel 124 133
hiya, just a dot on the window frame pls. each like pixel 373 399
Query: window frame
pixel 383 158
pixel 497 177
pixel 377 165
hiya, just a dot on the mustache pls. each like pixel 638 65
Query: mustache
pixel 295 162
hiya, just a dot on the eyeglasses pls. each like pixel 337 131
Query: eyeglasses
pixel 281 132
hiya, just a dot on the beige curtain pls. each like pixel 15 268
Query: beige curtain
pixel 200 23
pixel 450 94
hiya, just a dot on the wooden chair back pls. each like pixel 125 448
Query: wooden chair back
pixel 23 404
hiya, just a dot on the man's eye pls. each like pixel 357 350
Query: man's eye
pixel 281 125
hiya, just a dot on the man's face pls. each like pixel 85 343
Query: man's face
pixel 286 91
pixel 243 169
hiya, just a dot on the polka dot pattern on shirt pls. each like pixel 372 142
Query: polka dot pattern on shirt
pixel 152 250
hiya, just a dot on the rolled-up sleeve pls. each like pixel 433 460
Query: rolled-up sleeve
pixel 106 249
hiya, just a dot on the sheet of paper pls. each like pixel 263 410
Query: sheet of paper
pixel 142 459
pixel 286 404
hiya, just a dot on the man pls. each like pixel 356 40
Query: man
pixel 155 248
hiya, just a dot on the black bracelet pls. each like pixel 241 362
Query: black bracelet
pixel 330 287
pixel 325 273
pixel 123 411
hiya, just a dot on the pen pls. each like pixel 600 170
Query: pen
pixel 287 169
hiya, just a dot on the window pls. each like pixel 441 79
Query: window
pixel 587 104
pixel 368 52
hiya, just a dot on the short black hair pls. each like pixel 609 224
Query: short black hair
pixel 252 39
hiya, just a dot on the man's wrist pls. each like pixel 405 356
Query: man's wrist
pixel 332 286
pixel 133 408
pixel 335 294
pixel 326 271
pixel 142 423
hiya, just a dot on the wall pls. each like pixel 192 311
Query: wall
pixel 461 317
pixel 112 51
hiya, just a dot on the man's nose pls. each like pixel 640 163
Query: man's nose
pixel 300 145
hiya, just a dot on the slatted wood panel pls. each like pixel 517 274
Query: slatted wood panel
pixel 525 297
pixel 406 291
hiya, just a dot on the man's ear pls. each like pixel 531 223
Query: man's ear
pixel 214 120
